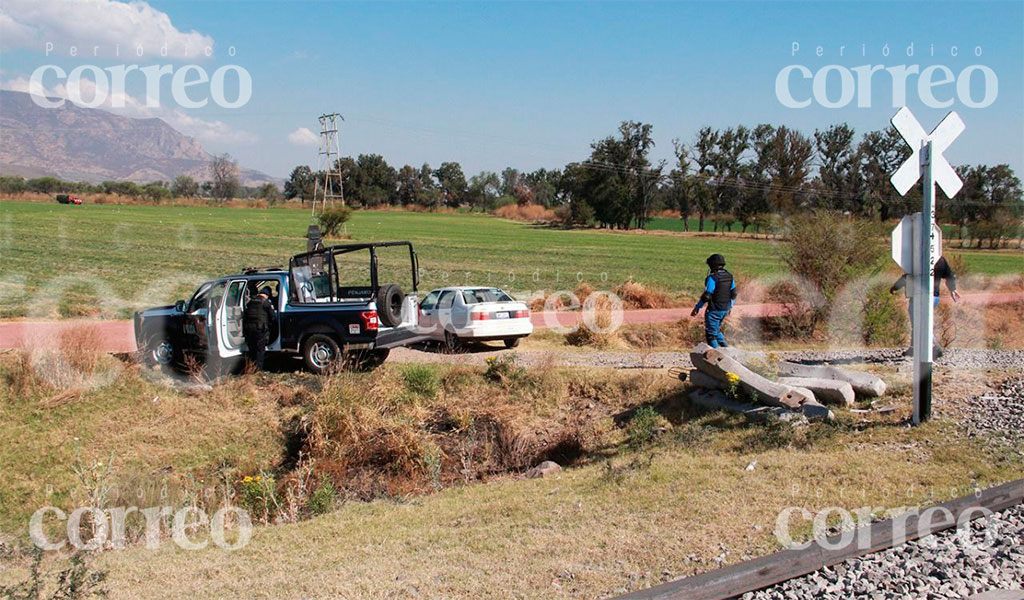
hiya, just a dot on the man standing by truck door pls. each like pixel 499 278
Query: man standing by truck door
pixel 259 314
pixel 720 295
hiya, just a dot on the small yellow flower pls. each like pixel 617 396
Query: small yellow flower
pixel 247 479
pixel 733 378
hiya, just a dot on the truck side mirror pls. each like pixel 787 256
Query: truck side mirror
pixel 179 306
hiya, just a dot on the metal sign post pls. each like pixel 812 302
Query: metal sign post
pixel 924 242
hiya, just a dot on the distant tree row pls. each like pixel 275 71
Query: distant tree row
pixel 222 185
pixel 369 181
pixel 735 176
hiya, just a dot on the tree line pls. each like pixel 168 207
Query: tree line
pixel 223 184
pixel 745 177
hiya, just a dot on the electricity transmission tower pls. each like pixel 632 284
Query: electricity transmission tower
pixel 328 186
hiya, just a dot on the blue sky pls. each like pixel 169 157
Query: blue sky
pixel 532 84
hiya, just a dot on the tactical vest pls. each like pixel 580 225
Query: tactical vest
pixel 722 297
pixel 255 316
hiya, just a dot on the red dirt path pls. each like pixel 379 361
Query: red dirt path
pixel 118 337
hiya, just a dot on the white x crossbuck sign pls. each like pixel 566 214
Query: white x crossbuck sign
pixel 941 137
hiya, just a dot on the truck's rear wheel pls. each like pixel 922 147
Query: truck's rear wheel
pixel 319 353
pixel 511 342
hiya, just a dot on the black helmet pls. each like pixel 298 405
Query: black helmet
pixel 266 291
pixel 716 260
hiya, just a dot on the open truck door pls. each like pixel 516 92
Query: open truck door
pixel 227 321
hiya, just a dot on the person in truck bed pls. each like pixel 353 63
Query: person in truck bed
pixel 259 314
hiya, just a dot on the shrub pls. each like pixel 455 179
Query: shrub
pixel 503 369
pixel 828 250
pixel 421 380
pixel 885 320
pixel 637 295
pixel 322 500
pixel 331 220
pixel 641 428
pixel 258 495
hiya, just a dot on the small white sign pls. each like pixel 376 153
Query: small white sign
pixel 353 328
pixel 904 241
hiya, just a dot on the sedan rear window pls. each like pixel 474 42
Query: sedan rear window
pixel 485 295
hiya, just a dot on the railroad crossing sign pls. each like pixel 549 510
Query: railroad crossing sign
pixel 940 138
pixel 916 252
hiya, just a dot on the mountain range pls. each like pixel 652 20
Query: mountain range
pixel 88 144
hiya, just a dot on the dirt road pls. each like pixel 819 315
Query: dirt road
pixel 117 336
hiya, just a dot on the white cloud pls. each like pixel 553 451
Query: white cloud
pixel 126 105
pixel 90 23
pixel 303 137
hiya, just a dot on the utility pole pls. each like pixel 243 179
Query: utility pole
pixel 328 186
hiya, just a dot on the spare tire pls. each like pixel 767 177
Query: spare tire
pixel 389 304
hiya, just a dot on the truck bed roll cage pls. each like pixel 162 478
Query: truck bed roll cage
pixel 332 251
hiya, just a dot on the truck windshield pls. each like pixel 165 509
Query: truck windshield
pixel 199 298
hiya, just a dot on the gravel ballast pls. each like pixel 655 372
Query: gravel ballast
pixel 996 418
pixel 955 358
pixel 989 555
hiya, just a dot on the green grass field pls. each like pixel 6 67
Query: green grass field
pixel 151 254
pixel 676 224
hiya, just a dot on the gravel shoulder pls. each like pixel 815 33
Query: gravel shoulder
pixel 955 358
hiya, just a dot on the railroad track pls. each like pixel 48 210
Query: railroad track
pixel 748 576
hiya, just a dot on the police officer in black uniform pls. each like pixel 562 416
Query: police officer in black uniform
pixel 719 296
pixel 259 314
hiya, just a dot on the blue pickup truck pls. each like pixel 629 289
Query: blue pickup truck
pixel 330 307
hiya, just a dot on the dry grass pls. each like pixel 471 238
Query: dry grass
pixel 531 213
pixel 636 295
pixel 686 506
pixel 372 437
pixel 157 436
pixel 615 520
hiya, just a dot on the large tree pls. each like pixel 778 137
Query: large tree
pixel 300 184
pixel 452 181
pixel 881 152
pixel 184 186
pixel 727 161
pixel 792 153
pixel 224 177
pixel 620 180
pixel 839 170
pixel 483 190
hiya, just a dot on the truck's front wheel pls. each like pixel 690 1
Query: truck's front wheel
pixel 159 352
pixel 319 353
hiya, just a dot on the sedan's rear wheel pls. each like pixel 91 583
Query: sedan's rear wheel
pixel 452 343
pixel 319 353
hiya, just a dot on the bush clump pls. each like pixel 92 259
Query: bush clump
pixel 421 380
pixel 641 428
pixel 332 219
pixel 885 320
pixel 827 250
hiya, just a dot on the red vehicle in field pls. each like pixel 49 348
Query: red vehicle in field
pixel 69 199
